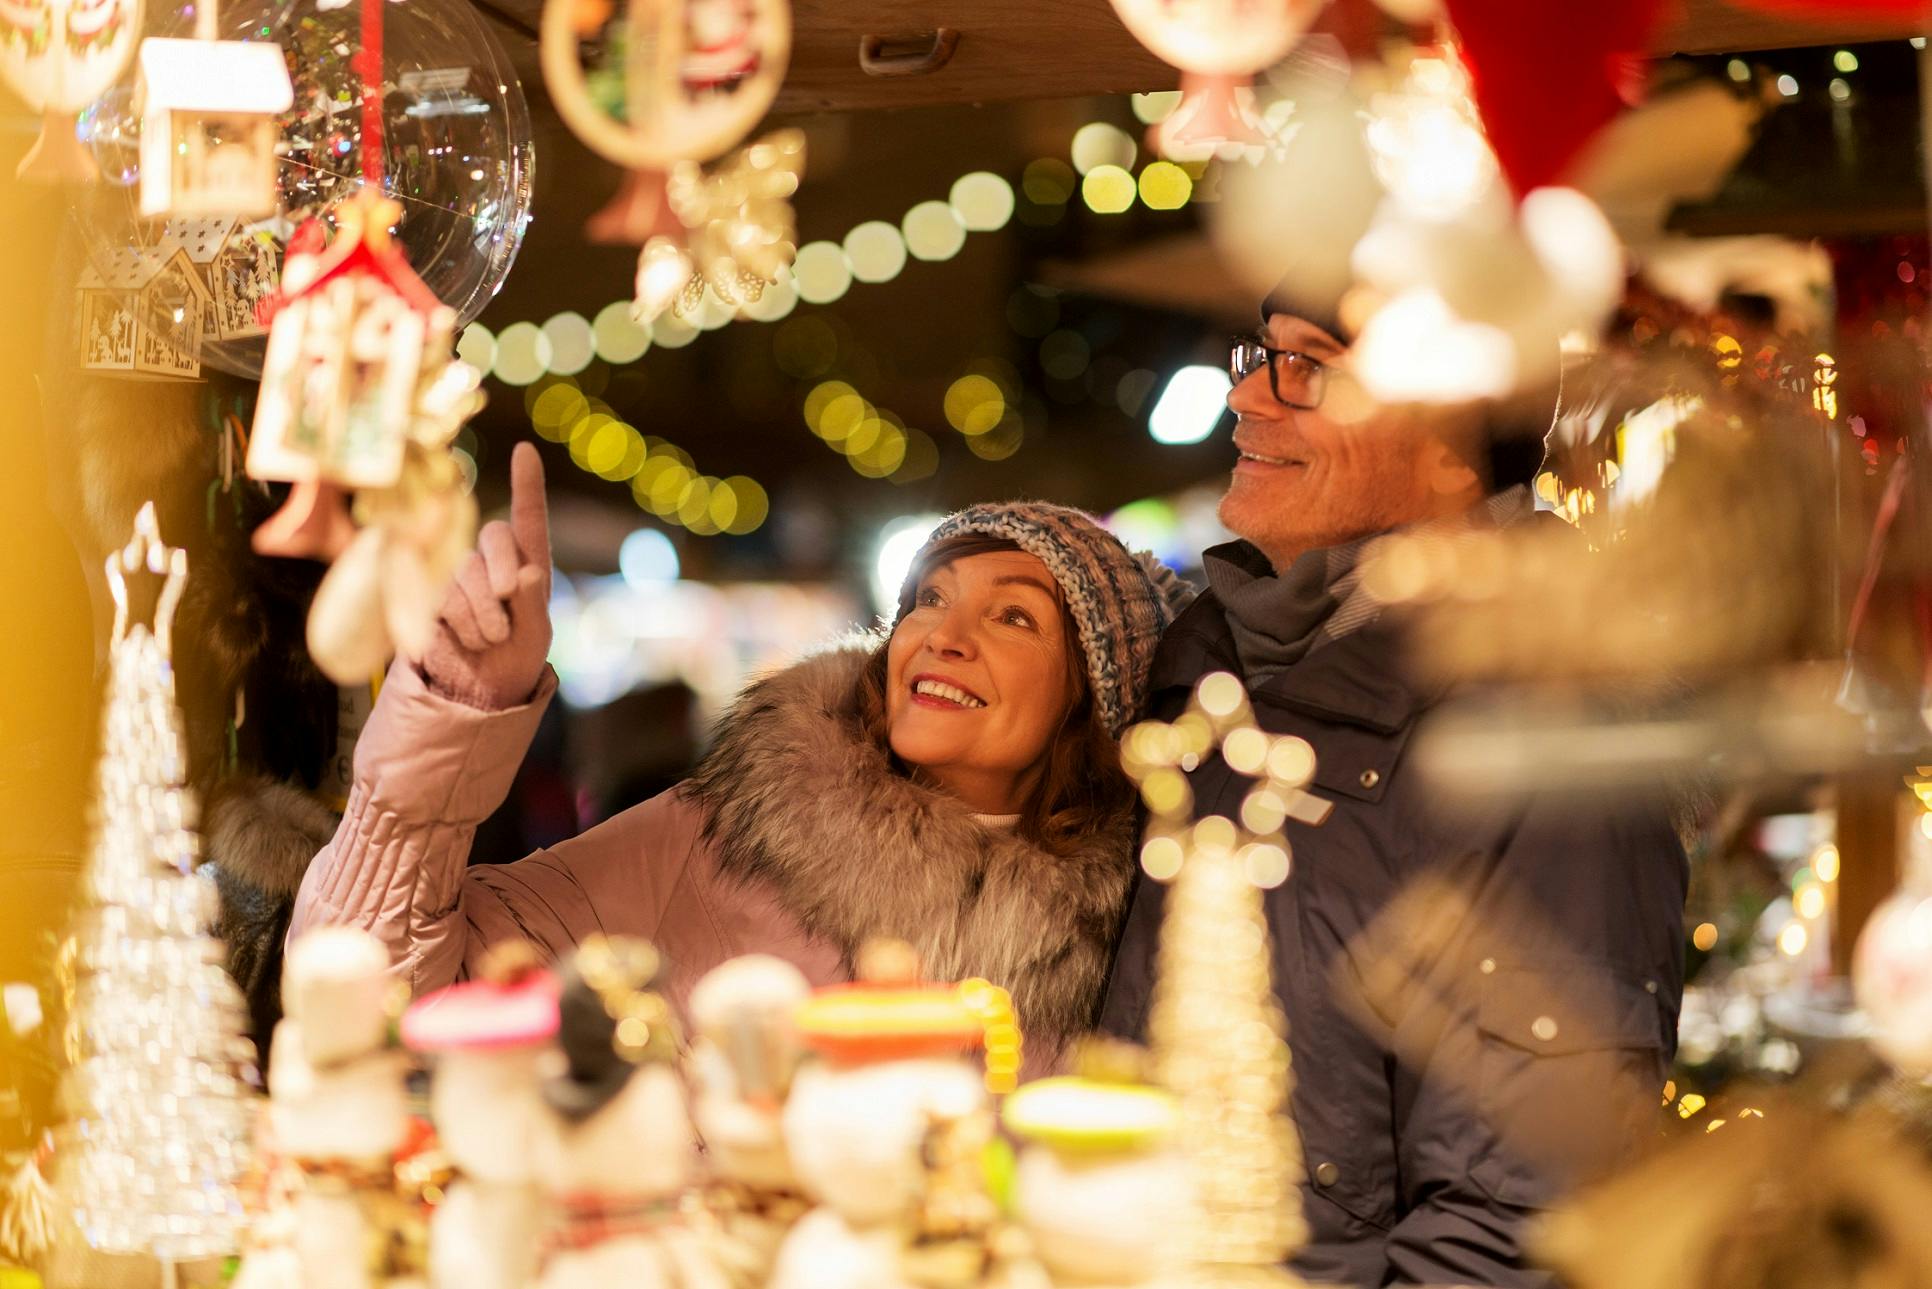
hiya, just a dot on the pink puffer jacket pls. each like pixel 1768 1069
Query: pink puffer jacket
pixel 796 837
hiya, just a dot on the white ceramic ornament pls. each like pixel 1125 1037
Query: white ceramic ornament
pixel 208 127
pixel 488 1037
pixel 59 56
pixel 1219 45
pixel 1892 979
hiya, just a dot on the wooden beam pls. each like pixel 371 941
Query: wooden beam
pixel 1717 27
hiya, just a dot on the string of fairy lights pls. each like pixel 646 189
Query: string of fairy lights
pixel 983 404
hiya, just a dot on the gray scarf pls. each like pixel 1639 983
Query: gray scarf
pixel 1280 618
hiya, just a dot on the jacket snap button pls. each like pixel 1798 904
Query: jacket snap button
pixel 1325 1174
pixel 1544 1028
pixel 1370 778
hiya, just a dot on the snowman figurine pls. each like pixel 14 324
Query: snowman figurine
pixel 744 1052
pixel 338 1109
pixel 1100 1178
pixel 618 1151
pixel 487 1037
pixel 887 1131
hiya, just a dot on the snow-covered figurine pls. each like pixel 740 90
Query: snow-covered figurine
pixel 488 1036
pixel 744 1052
pixel 887 1132
pixel 1099 1182
pixel 620 1151
pixel 338 1107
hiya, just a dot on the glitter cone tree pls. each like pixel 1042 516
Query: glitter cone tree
pixel 158 1116
pixel 1218 1035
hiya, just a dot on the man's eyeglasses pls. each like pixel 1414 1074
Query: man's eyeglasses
pixel 1296 379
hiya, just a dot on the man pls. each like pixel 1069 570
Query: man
pixel 1482 1005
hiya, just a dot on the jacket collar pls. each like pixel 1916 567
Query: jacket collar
pixel 1360 679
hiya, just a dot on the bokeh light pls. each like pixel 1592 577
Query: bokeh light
pixel 777 301
pixel 974 404
pixel 572 344
pixel 1152 109
pixel 898 544
pixel 1048 181
pixel 647 558
pixel 618 337
pixel 1108 190
pixel 522 354
pixel 555 411
pixel 1191 406
pixel 1000 442
pixel 821 272
pixel 983 201
pixel 922 461
pixel 876 251
pixel 933 231
pixel 1099 143
pixel 1165 186
pixel 668 331
pixel 750 506
pixel 477 347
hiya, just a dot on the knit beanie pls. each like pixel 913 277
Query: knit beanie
pixel 1120 601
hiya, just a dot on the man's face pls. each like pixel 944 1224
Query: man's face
pixel 1306 480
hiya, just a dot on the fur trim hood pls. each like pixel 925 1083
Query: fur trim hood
pixel 796 798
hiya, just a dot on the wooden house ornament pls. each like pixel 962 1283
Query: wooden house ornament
pixel 208 125
pixel 237 264
pixel 355 332
pixel 142 312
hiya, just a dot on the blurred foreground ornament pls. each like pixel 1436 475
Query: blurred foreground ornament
pixel 59 56
pixel 1219 45
pixel 1892 966
pixel 162 1119
pixel 360 393
pixel 208 128
pixel 1785 1196
pixel 742 232
pixel 1219 1037
pixel 1547 79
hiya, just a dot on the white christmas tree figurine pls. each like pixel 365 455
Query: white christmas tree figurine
pixel 161 1117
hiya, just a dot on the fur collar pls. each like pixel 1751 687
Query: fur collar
pixel 797 799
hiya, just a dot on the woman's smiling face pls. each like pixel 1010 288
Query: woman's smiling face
pixel 979 677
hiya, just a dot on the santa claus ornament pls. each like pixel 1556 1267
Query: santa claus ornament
pixel 59 56
pixel 1219 45
pixel 661 87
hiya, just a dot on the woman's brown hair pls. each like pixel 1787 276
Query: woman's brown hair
pixel 1082 787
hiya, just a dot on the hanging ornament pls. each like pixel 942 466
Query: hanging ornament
pixel 1219 45
pixel 208 128
pixel 669 85
pixel 1548 77
pixel 143 311
pixel 60 55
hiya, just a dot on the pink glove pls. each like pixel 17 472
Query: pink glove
pixel 494 630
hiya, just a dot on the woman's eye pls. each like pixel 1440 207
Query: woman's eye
pixel 1017 618
pixel 926 598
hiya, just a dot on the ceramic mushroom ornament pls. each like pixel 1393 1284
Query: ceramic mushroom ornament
pixel 1219 45
pixel 669 85
pixel 887 1132
pixel 744 1053
pixel 59 56
pixel 487 1037
pixel 619 1151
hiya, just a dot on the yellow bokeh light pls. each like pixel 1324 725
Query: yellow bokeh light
pixel 1162 858
pixel 724 505
pixel 1824 862
pixel 1165 186
pixel 1810 901
pixel 694 504
pixel 845 418
pixel 983 201
pixel 751 505
pixel 885 454
pixel 572 343
pixel 1925 825
pixel 1047 181
pixel 1705 936
pixel 1793 939
pixel 1152 109
pixel 1099 143
pixel 775 302
pixel 820 272
pixel 876 251
pixel 632 461
pixel 1692 1103
pixel 557 409
pixel 667 489
pixel 933 231
pixel 604 450
pixel 619 338
pixel 1266 864
pixel 477 347
pixel 1108 190
pixel 1000 442
pixel 522 354
pixel 974 404
pixel 921 461
pixel 822 396
pixel 1221 694
pixel 586 429
pixel 672 332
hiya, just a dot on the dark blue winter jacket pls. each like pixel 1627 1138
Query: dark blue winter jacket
pixel 1482 1004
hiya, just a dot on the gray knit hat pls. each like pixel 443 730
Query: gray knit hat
pixel 1120 601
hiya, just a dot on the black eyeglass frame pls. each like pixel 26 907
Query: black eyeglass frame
pixel 1246 354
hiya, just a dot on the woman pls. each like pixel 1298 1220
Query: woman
pixel 956 786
